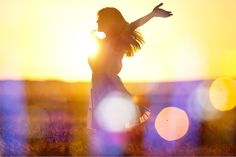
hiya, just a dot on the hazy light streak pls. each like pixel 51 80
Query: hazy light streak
pixel 13 118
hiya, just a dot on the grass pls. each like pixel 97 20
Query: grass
pixel 54 124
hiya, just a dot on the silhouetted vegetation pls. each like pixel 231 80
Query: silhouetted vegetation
pixel 53 122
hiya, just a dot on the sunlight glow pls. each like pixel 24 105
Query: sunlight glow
pixel 116 112
pixel 93 45
pixel 101 35
pixel 172 123
pixel 43 40
pixel 187 55
pixel 223 93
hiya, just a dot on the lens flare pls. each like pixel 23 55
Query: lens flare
pixel 199 106
pixel 1 146
pixel 13 118
pixel 116 112
pixel 172 123
pixel 223 93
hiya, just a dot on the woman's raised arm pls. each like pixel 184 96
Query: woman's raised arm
pixel 156 12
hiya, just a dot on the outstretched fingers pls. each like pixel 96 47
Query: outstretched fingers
pixel 158 12
pixel 169 13
pixel 164 13
pixel 158 6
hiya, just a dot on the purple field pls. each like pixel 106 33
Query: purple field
pixel 41 118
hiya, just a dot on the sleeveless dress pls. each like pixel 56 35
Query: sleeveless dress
pixel 105 79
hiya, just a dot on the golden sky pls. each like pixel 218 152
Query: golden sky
pixel 49 39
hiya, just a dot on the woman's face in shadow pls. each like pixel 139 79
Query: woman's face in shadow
pixel 101 26
pixel 105 25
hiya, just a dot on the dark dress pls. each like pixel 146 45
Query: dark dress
pixel 105 79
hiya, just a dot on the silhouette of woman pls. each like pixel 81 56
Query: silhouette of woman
pixel 121 39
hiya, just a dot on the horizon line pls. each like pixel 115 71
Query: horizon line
pixel 83 81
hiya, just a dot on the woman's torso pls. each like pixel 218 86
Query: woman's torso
pixel 105 67
pixel 106 61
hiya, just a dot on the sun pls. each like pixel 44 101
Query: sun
pixel 72 54
pixel 78 49
pixel 88 44
pixel 93 42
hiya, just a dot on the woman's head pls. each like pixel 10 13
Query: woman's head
pixel 110 21
pixel 113 24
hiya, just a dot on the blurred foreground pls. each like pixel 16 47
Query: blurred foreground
pixel 49 118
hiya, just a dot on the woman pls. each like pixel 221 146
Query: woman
pixel 121 39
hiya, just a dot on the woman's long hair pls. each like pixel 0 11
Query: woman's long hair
pixel 124 37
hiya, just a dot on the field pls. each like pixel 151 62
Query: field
pixel 44 118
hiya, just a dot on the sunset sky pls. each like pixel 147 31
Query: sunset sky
pixel 50 39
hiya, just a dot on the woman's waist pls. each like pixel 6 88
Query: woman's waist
pixel 111 66
pixel 104 79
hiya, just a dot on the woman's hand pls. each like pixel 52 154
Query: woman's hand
pixel 158 12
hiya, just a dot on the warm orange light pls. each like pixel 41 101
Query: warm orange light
pixel 91 45
pixel 223 93
pixel 135 99
pixel 172 123
pixel 51 40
